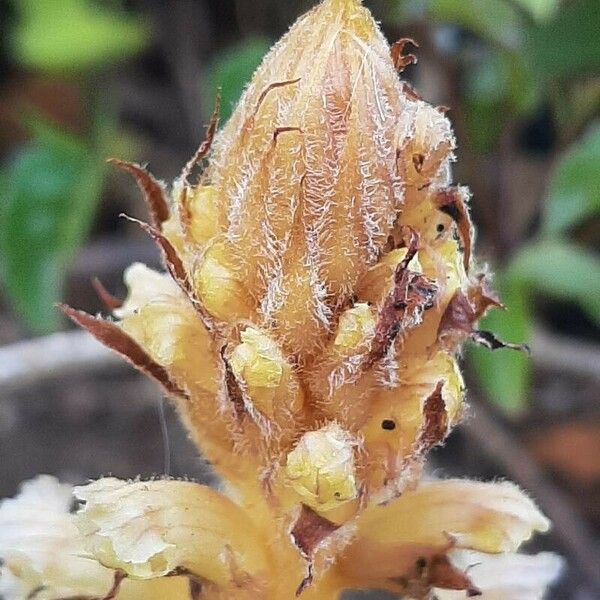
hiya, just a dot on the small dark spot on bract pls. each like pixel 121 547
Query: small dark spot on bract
pixel 388 424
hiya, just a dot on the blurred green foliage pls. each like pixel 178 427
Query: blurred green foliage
pixel 52 185
pixel 73 35
pixel 550 265
pixel 568 45
pixel 534 50
pixel 51 189
pixel 574 192
pixel 504 375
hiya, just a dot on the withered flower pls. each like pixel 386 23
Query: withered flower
pixel 319 286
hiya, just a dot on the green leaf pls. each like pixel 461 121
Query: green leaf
pixel 575 188
pixel 493 20
pixel 505 375
pixel 563 271
pixel 569 45
pixel 73 35
pixel 232 70
pixel 50 192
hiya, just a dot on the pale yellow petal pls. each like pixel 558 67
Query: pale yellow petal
pixel 491 517
pixel 438 516
pixel 150 529
pixel 145 286
pixel 40 546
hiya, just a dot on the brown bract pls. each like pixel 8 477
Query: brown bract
pixel 435 424
pixel 153 191
pixel 403 308
pixel 461 315
pixel 453 202
pixel 116 339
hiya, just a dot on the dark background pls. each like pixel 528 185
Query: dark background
pixel 83 80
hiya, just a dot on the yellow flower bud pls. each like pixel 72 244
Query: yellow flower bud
pixel 174 337
pixel 206 213
pixel 259 364
pixel 397 415
pixel 307 164
pixel 355 328
pixel 321 468
pixel 159 317
pixel 433 225
pixel 220 288
pixel 427 151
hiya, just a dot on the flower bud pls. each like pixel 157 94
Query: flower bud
pixel 259 364
pixel 207 218
pixel 160 319
pixel 427 149
pixel 396 415
pixel 220 288
pixel 307 164
pixel 321 468
pixel 356 326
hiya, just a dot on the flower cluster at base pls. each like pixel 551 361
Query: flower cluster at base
pixel 319 286
pixel 168 539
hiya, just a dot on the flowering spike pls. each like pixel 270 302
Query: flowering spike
pixel 317 295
